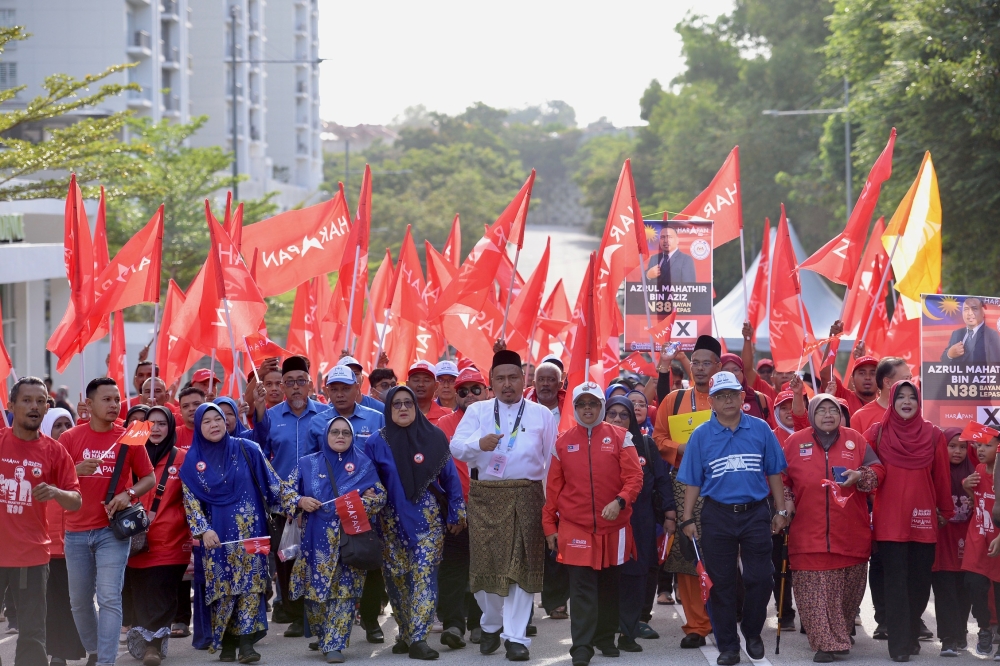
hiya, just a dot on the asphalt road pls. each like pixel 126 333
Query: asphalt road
pixel 551 646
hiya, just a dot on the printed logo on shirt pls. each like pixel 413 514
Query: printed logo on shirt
pixel 921 520
pixel 15 492
pixel 108 459
pixel 418 458
pixel 364 432
pixel 642 460
pixel 350 467
pixel 570 448
pixel 577 543
pixel 738 462
pixel 606 440
pixel 850 445
pixel 746 407
pixel 172 470
pixel 201 466
pixel 36 472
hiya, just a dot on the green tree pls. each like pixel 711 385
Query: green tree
pixel 38 153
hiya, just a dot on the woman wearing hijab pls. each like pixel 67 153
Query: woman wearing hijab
pixel 951 600
pixel 640 407
pixel 154 575
pixel 414 463
pixel 62 641
pixel 331 588
pixel 755 403
pixel 235 426
pixel 229 490
pixel 829 545
pixel 653 506
pixel 912 502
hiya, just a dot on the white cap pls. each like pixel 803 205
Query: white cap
pixel 349 361
pixel 341 374
pixel 588 388
pixel 446 369
pixel 723 381
pixel 555 360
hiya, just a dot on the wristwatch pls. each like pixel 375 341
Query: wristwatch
pixel 130 493
pixel 783 513
pixel 621 502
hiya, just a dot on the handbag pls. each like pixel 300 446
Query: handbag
pixel 132 519
pixel 139 542
pixel 361 551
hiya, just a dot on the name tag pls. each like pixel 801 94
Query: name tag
pixel 498 463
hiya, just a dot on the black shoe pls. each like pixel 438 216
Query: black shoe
pixel 247 654
pixel 489 642
pixel 643 630
pixel 755 648
pixel 925 633
pixel 901 657
pixel 228 653
pixel 516 651
pixel 609 650
pixel 728 658
pixel 822 657
pixel 915 649
pixel 452 637
pixel 531 630
pixel 57 661
pixel 841 653
pixel 475 635
pixel 692 641
pixel 421 650
pixel 92 660
pixel 788 624
pixel 375 635
pixel 295 630
pixel 314 646
pixel 880 633
pixel 948 649
pixel 581 656
pixel 628 644
pixel 400 647
pixel 280 616
pixel 984 644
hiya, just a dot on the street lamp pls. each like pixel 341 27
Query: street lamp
pixel 847 134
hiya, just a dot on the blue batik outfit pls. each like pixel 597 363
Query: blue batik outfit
pixel 221 494
pixel 416 468
pixel 256 434
pixel 331 589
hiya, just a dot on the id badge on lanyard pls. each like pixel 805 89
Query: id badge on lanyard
pixel 498 461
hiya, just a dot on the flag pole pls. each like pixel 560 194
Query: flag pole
pixel 510 292
pixel 743 264
pixel 381 337
pixel 812 366
pixel 350 307
pixel 885 276
pixel 128 393
pixel 250 356
pixel 232 339
pixel 211 369
pixel 156 344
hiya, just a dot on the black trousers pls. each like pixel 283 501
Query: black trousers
pixel 183 614
pixel 555 583
pixel 594 597
pixel 373 598
pixel 786 612
pixel 61 637
pixel 154 594
pixel 649 594
pixel 632 596
pixel 951 605
pixel 456 606
pixel 876 583
pixel 27 588
pixel 907 589
pixel 728 536
pixel 294 607
pixel 979 588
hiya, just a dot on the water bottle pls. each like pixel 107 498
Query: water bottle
pixel 671 348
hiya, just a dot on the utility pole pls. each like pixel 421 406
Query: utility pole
pixel 232 62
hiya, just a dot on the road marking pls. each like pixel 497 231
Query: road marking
pixel 711 651
pixel 9 638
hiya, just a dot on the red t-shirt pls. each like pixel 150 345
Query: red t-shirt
pixel 951 537
pixel 436 412
pixel 863 419
pixel 168 537
pixel 57 528
pixel 184 437
pixel 82 442
pixel 981 529
pixel 24 525
pixel 448 425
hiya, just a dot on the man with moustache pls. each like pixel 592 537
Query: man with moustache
pixel 422 380
pixel 547 388
pixel 668 267
pixel 976 343
pixel 508 441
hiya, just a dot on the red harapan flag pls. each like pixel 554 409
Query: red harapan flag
pixel 116 355
pixel 758 297
pixel 721 202
pixel 453 246
pixel 353 517
pixel 257 545
pixel 524 310
pixel 352 274
pixel 174 354
pixel 787 333
pixel 585 348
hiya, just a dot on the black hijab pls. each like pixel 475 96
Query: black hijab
pixel 159 451
pixel 135 410
pixel 638 439
pixel 420 450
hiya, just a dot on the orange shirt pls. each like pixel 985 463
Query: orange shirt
pixel 661 429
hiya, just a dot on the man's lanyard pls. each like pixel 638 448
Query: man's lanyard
pixel 517 423
pixel 694 404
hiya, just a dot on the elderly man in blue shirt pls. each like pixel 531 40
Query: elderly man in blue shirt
pixel 342 390
pixel 359 376
pixel 734 461
pixel 287 441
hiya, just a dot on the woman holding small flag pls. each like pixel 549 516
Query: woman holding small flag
pixel 331 588
pixel 414 463
pixel 831 471
pixel 229 489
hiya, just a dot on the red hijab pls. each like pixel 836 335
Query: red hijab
pixel 751 403
pixel 907 443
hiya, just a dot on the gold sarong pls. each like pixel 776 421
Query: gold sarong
pixel 506 541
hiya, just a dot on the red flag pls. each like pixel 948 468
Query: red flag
pixel 174 354
pixel 758 297
pixel 453 247
pixel 867 280
pixel 525 308
pixel 353 272
pixel 440 272
pixel 257 545
pixel 298 245
pixel 786 330
pixel 618 254
pixel 903 340
pixel 262 347
pixel 353 517
pixel 378 296
pixel 78 249
pixel 505 271
pixel 137 433
pixel 837 492
pixel 663 329
pixel 101 256
pixel 116 360
pixel 721 202
pixel 302 326
pixel 977 432
pixel 133 276
pixel 838 259
pixel 637 364
pixel 704 581
pixel 585 348
pixel 479 270
pixel 411 282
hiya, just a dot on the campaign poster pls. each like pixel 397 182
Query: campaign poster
pixel 960 359
pixel 678 279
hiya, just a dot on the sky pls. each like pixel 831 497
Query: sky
pixel 387 55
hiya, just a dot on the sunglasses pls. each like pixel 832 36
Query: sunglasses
pixel 475 390
pixel 341 433
pixel 404 404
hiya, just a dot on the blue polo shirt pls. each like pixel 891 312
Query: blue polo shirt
pixel 732 466
pixel 373 403
pixel 366 422
pixel 288 439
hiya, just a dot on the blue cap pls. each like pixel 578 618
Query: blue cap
pixel 341 374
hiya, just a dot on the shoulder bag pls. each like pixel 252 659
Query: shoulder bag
pixel 362 551
pixel 132 519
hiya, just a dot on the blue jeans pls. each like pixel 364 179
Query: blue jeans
pixel 95 563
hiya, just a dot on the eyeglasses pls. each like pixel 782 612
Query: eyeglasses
pixel 726 396
pixel 402 404
pixel 341 433
pixel 475 390
pixel 618 415
pixel 827 410
pixel 295 383
pixel 588 405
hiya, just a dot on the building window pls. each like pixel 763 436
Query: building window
pixel 8 20
pixel 8 75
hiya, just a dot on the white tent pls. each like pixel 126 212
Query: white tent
pixel 820 302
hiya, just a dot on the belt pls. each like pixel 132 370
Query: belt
pixel 736 508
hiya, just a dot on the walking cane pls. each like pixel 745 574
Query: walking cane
pixel 781 593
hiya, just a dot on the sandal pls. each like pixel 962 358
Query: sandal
pixel 665 599
pixel 179 630
pixel 559 613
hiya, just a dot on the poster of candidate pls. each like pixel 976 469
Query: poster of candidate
pixel 678 280
pixel 960 359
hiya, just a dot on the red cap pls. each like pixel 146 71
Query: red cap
pixel 783 397
pixel 464 363
pixel 765 363
pixel 422 366
pixel 865 360
pixel 203 375
pixel 470 376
